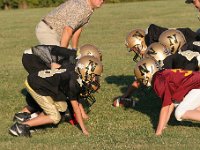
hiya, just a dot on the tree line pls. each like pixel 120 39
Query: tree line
pixel 12 4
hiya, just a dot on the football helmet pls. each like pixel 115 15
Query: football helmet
pixel 173 39
pixel 89 70
pixel 135 41
pixel 158 52
pixel 90 50
pixel 144 70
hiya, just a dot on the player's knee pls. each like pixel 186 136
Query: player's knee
pixel 56 117
pixel 178 114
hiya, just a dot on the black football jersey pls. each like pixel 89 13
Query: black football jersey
pixel 154 31
pixel 178 61
pixel 60 84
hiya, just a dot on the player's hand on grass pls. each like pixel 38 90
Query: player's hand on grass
pixel 85 132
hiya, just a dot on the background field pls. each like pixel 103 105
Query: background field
pixel 110 128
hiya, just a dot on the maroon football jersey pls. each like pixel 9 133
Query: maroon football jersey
pixel 174 84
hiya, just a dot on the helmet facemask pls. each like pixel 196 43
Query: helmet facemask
pixel 87 102
pixel 93 85
pixel 89 70
pixel 135 41
pixel 138 52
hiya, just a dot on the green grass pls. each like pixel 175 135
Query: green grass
pixel 110 128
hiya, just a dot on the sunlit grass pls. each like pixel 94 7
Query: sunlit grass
pixel 110 128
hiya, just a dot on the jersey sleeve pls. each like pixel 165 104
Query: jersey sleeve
pixel 189 34
pixel 161 87
pixel 63 52
pixel 74 87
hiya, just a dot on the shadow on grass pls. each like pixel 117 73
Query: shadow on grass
pixel 121 81
pixel 148 102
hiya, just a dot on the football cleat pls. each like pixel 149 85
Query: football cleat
pixel 20 130
pixel 69 117
pixel 22 117
pixel 124 102
pixel 72 120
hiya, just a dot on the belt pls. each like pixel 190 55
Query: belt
pixel 47 24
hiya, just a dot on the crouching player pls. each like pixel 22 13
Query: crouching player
pixel 49 88
pixel 42 57
pixel 176 88
pixel 35 59
pixel 171 52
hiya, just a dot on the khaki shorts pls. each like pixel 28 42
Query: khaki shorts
pixel 45 35
pixel 50 107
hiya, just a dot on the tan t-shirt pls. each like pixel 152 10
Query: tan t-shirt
pixel 72 13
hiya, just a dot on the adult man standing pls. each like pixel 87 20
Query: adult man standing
pixel 65 22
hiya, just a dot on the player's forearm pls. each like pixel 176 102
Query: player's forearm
pixel 131 89
pixel 163 118
pixel 171 108
pixel 77 111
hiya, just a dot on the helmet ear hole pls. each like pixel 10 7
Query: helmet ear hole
pixel 173 39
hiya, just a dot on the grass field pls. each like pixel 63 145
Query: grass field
pixel 110 128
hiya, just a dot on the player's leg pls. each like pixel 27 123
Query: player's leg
pixel 51 109
pixel 188 109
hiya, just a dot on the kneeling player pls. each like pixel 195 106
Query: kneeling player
pixel 177 87
pixel 43 57
pixel 49 88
